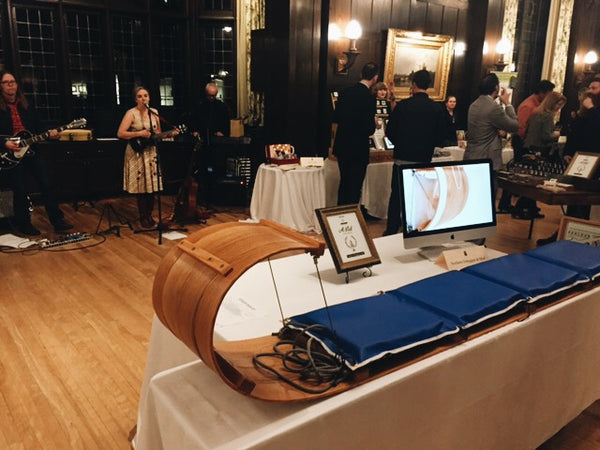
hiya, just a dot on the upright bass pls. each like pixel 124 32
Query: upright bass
pixel 186 202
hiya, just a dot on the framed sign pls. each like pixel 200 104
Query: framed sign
pixel 579 230
pixel 406 52
pixel 583 165
pixel 347 237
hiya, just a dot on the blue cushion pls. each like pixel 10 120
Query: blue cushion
pixel 369 328
pixel 576 256
pixel 530 276
pixel 464 298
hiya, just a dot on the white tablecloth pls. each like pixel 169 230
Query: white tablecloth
pixel 377 186
pixel 511 388
pixel 289 197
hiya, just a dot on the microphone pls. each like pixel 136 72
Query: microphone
pixel 147 105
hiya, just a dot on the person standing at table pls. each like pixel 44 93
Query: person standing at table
pixel 17 115
pixel 416 127
pixel 450 138
pixel 524 112
pixel 355 115
pixel 487 121
pixel 141 174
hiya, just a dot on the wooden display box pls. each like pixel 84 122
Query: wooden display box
pixel 281 154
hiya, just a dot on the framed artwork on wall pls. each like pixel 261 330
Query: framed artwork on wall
pixel 408 51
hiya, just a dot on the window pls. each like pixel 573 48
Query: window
pixel 219 57
pixel 37 56
pixel 168 37
pixel 128 56
pixel 86 63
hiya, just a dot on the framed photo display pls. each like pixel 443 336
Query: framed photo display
pixel 583 165
pixel 579 230
pixel 347 237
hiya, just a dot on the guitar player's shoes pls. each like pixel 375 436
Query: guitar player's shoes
pixel 28 229
pixel 62 226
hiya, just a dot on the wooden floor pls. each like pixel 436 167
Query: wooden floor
pixel 76 323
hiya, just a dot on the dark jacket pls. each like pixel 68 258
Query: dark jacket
pixel 585 133
pixel 416 127
pixel 211 117
pixel 355 115
pixel 30 118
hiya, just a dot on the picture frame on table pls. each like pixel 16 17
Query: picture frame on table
pixel 583 165
pixel 346 234
pixel 579 230
pixel 407 52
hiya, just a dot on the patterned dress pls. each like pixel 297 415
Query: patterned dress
pixel 140 173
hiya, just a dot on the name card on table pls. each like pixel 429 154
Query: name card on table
pixel 458 258
pixel 311 161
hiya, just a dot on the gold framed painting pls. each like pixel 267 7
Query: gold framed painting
pixel 407 51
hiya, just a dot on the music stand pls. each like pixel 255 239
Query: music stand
pixel 160 226
pixel 108 210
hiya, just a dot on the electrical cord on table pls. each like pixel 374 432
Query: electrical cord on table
pixel 312 364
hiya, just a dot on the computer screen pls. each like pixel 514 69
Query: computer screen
pixel 446 202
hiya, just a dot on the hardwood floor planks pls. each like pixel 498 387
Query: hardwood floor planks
pixel 76 325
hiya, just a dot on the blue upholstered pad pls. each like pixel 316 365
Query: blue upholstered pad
pixel 530 276
pixel 582 258
pixel 371 327
pixel 462 297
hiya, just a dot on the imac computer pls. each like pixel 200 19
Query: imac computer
pixel 446 203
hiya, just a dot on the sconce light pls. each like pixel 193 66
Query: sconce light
pixel 344 62
pixel 502 48
pixel 589 60
pixel 459 48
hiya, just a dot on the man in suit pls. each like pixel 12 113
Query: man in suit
pixel 416 127
pixel 355 115
pixel 488 120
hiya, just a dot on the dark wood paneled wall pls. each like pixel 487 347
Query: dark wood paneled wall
pixel 300 111
pixel 585 36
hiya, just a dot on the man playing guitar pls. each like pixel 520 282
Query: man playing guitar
pixel 16 116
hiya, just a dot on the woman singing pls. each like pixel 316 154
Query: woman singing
pixel 141 174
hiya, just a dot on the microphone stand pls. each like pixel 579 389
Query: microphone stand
pixel 160 226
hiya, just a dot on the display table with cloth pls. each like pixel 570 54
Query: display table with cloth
pixel 377 188
pixel 289 197
pixel 510 388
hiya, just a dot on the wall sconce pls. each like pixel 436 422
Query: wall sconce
pixel 589 60
pixel 344 62
pixel 459 48
pixel 502 48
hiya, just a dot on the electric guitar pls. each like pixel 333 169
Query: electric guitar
pixel 139 144
pixel 9 159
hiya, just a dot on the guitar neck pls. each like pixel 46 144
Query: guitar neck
pixel 39 137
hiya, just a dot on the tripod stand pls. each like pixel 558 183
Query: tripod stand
pixel 109 211
pixel 160 227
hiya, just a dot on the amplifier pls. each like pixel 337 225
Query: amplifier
pixel 230 191
pixel 75 135
pixel 6 204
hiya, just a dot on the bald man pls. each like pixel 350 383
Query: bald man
pixel 212 116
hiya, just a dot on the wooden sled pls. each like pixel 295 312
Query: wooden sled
pixel 194 277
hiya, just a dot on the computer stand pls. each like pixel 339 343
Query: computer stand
pixel 108 210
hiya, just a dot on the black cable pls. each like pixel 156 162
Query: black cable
pixel 38 247
pixel 305 359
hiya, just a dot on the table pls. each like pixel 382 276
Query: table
pixel 511 388
pixel 377 185
pixel 289 197
pixel 526 186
